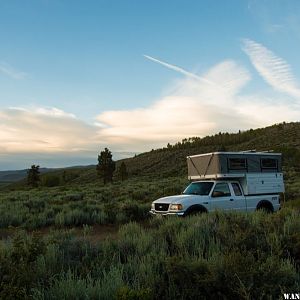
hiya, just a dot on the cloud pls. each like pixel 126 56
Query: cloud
pixel 273 69
pixel 178 69
pixel 217 102
pixel 274 28
pixel 210 78
pixel 43 130
pixel 11 72
pixel 200 107
pixel 196 108
pixel 49 137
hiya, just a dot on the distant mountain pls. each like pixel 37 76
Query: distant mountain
pixel 17 175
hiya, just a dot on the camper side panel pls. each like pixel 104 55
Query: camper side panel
pixel 250 163
pixel 263 183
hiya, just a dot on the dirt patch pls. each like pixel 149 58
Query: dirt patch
pixel 5 233
pixel 94 233
pixel 101 232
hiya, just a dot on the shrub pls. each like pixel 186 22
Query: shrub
pixel 215 255
pixel 50 180
pixel 134 211
pixel 110 210
pixel 73 197
pixel 126 293
pixel 18 266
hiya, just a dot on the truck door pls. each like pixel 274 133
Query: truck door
pixel 238 199
pixel 221 197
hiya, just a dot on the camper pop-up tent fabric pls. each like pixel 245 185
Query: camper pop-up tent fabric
pixel 232 164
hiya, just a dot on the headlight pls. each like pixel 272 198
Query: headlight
pixel 176 207
pixel 152 206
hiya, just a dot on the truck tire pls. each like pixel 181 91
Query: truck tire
pixel 195 210
pixel 266 206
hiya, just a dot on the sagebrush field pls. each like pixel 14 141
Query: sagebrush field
pixel 74 238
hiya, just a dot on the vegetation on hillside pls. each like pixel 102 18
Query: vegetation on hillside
pixel 116 203
pixel 41 257
pixel 171 258
pixel 170 161
pixel 122 173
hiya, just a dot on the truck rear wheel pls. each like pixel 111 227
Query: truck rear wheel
pixel 265 206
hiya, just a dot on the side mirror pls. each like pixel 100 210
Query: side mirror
pixel 217 194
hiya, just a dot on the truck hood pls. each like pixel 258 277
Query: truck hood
pixel 181 199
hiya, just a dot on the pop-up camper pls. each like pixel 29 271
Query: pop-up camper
pixel 244 181
pixel 257 172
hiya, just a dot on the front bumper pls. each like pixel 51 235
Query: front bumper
pixel 166 213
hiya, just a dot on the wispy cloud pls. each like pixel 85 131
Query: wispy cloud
pixel 273 69
pixel 211 78
pixel 179 69
pixel 194 108
pixel 207 103
pixel 8 70
pixel 274 28
pixel 47 111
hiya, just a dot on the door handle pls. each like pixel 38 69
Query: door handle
pixel 231 200
pixel 205 202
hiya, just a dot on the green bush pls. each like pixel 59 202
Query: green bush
pixel 134 211
pixel 50 180
pixel 110 210
pixel 73 197
pixel 19 265
pixel 126 293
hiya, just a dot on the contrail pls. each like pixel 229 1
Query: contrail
pixel 180 70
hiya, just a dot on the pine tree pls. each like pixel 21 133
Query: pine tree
pixel 33 176
pixel 122 171
pixel 106 166
pixel 64 177
pixel 222 148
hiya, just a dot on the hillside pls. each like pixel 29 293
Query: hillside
pixel 171 160
pixel 73 227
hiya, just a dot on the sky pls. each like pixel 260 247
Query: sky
pixel 132 75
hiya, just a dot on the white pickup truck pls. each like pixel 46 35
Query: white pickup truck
pixel 205 196
pixel 240 181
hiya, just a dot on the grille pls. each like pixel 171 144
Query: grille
pixel 161 206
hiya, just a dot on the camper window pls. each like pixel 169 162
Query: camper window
pixel 268 163
pixel 237 163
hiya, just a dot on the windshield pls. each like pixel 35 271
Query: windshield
pixel 198 188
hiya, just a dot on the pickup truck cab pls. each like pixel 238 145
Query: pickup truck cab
pixel 209 195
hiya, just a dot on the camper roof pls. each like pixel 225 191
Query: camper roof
pixel 237 164
pixel 239 153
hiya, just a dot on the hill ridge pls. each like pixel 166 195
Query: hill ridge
pixel 170 161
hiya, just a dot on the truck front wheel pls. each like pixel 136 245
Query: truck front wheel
pixel 195 210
